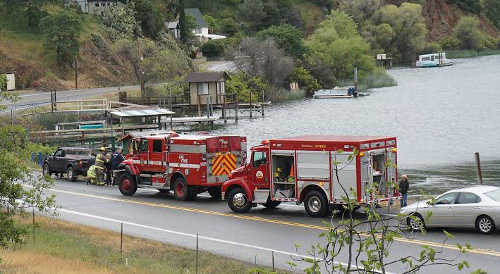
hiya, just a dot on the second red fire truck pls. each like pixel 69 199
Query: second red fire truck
pixel 186 164
pixel 317 171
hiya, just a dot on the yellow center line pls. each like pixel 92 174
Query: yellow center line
pixel 490 252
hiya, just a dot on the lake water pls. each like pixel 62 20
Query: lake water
pixel 441 116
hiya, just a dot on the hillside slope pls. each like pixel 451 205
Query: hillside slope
pixel 441 17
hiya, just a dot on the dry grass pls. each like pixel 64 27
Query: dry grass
pixel 63 247
pixel 16 262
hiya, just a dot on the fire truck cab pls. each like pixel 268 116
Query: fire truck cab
pixel 315 170
pixel 186 164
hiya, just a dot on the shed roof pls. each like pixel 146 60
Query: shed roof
pixel 140 112
pixel 196 13
pixel 200 77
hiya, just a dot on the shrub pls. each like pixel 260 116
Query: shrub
pixel 490 43
pixel 213 48
pixel 449 42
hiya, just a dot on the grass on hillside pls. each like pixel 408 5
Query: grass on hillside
pixel 63 247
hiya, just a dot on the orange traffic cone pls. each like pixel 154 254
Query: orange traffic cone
pixel 291 172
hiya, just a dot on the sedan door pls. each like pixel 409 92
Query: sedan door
pixel 467 207
pixel 442 210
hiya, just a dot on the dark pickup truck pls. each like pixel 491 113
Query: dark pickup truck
pixel 72 161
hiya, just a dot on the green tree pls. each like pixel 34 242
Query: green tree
pixel 407 30
pixel 287 37
pixel 360 10
pixel 212 23
pixel 151 61
pixel 34 14
pixel 468 33
pixel 120 22
pixel 336 48
pixel 62 31
pixel 492 9
pixel 239 84
pixel 473 6
pixel 149 18
pixel 252 13
pixel 305 80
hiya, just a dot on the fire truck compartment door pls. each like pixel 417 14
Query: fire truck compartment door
pixel 366 175
pixel 313 165
pixel 345 164
pixel 261 196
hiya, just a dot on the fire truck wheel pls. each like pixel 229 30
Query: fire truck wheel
pixel 271 204
pixel 127 184
pixel 215 192
pixel 238 201
pixel 316 204
pixel 181 191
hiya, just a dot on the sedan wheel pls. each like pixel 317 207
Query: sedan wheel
pixel 415 222
pixel 485 224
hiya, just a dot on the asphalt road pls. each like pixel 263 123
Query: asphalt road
pixel 43 98
pixel 251 237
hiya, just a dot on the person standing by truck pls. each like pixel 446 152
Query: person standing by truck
pixel 116 159
pixel 404 185
pixel 100 161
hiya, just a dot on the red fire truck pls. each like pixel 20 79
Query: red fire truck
pixel 186 164
pixel 315 170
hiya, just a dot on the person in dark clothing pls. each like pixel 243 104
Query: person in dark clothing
pixel 404 185
pixel 116 159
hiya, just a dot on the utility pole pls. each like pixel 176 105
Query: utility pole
pixel 76 72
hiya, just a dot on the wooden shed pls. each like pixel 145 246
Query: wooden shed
pixel 205 84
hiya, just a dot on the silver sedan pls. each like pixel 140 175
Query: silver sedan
pixel 474 207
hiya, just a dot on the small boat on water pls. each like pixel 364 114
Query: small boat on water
pixel 337 92
pixel 433 60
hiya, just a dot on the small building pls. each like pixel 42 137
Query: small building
pixel 384 60
pixel 205 84
pixel 173 27
pixel 11 81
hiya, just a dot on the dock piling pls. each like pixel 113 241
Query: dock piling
pixel 478 168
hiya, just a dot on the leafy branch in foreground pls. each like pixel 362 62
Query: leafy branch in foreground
pixel 366 241
pixel 20 189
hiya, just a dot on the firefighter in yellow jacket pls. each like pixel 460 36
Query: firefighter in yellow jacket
pixel 100 161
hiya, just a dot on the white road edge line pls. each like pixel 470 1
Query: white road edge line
pixel 193 235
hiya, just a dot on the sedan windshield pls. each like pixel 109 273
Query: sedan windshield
pixel 494 195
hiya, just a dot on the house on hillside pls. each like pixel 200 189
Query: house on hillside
pixel 200 30
pixel 201 26
pixel 94 6
pixel 207 84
